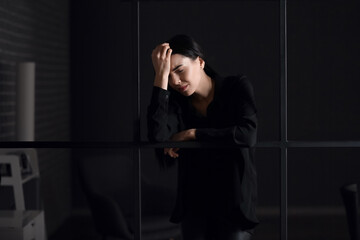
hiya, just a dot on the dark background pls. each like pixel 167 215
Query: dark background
pixel 244 37
pixel 238 37
pixel 85 89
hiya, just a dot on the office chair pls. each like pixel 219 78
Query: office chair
pixel 350 198
pixel 107 180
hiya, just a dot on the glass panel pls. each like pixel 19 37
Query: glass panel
pixel 84 88
pixel 315 175
pixel 79 191
pixel 55 172
pixel 104 186
pixel 236 36
pixel 158 195
pixel 39 182
pixel 159 190
pixel 36 33
pixel 323 63
pixel 103 192
pixel 103 87
pixel 268 210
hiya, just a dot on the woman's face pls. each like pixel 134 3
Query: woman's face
pixel 185 74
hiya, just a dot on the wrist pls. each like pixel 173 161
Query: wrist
pixel 193 134
pixel 161 82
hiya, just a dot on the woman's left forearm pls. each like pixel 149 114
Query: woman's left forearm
pixel 186 135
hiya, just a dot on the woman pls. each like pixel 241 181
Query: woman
pixel 217 186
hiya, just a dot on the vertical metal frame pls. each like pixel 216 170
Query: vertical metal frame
pixel 283 122
pixel 135 6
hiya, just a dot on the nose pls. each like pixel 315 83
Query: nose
pixel 175 80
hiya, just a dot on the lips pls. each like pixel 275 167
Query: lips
pixel 183 88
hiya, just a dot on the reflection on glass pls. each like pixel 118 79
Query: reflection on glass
pixel 42 39
pixel 107 180
pixel 158 196
pixel 69 193
pixel 35 189
pixel 85 94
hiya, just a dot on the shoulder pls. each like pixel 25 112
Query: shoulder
pixel 236 79
pixel 237 83
pixel 238 89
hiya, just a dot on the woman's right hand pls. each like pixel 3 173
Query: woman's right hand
pixel 172 152
pixel 161 61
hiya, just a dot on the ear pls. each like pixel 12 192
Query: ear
pixel 202 62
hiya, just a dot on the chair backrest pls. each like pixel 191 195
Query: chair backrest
pixel 350 197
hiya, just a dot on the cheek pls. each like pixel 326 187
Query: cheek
pixel 195 76
pixel 186 76
pixel 191 76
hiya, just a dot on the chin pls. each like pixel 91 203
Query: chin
pixel 187 93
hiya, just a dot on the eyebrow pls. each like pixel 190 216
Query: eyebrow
pixel 177 67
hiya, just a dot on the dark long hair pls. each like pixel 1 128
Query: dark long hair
pixel 188 47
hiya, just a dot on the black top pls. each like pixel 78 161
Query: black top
pixel 219 181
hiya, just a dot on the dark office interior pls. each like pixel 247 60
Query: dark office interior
pixel 93 81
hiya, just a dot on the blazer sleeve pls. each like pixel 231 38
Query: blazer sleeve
pixel 162 118
pixel 240 96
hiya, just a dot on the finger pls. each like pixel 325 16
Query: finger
pixel 172 153
pixel 164 51
pixel 168 54
pixel 158 49
pixel 160 46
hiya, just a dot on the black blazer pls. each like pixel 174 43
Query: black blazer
pixel 220 181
